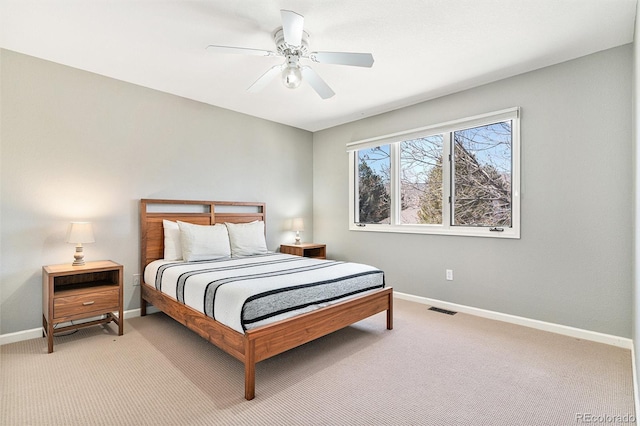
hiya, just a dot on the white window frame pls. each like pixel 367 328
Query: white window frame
pixel 445 228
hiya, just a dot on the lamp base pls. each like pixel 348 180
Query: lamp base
pixel 78 256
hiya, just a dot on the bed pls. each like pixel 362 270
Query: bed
pixel 253 337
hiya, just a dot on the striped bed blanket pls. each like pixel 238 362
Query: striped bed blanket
pixel 244 293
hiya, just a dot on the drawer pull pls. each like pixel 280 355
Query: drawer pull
pixel 89 303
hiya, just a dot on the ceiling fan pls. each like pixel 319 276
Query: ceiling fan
pixel 292 42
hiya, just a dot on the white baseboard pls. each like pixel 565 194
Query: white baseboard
pixel 34 333
pixel 621 342
pixel 19 336
pixel 132 313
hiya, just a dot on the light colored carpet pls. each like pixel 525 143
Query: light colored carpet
pixel 432 369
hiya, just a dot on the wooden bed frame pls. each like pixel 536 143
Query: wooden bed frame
pixel 260 343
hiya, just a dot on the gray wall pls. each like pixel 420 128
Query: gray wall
pixel 79 146
pixel 573 264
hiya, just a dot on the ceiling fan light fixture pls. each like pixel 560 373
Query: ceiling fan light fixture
pixel 291 77
pixel 291 74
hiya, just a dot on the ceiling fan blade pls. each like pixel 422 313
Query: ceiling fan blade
pixel 240 50
pixel 266 78
pixel 292 27
pixel 317 83
pixel 343 58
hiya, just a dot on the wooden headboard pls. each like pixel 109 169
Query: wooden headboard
pixel 152 212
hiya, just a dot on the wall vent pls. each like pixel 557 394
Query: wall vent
pixel 442 311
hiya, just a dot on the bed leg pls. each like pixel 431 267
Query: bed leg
pixel 143 303
pixel 249 369
pixel 390 313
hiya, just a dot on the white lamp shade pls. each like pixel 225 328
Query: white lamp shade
pixel 80 232
pixel 297 224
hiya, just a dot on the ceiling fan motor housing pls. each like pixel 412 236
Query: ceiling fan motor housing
pixel 287 50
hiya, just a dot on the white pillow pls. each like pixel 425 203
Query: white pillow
pixel 172 244
pixel 204 242
pixel 247 239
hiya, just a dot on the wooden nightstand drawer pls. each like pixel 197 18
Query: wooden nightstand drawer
pixel 82 304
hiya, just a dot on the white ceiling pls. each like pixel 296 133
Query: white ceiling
pixel 422 48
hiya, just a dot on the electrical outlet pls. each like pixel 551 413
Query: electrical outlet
pixel 136 280
pixel 449 274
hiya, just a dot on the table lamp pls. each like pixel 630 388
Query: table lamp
pixel 297 225
pixel 79 233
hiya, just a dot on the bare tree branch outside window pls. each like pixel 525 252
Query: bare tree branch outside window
pixel 421 180
pixel 482 177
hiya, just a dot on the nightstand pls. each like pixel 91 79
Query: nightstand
pixel 317 251
pixel 78 292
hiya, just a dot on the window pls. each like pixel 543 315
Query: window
pixel 458 178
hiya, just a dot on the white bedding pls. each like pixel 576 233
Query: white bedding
pixel 245 293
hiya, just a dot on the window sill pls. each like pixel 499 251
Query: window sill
pixel 509 233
